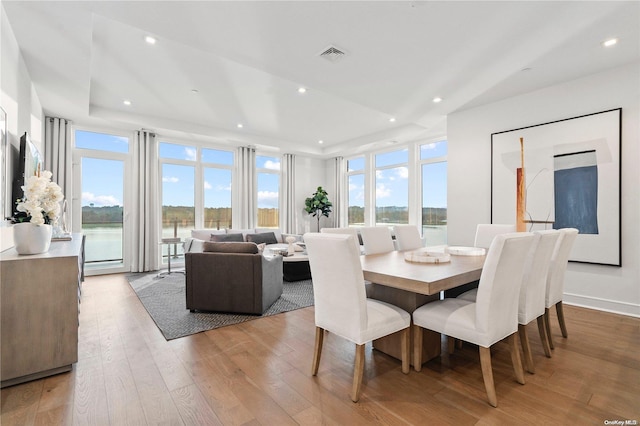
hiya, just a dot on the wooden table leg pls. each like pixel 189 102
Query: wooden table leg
pixel 391 345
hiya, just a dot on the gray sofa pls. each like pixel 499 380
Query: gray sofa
pixel 232 277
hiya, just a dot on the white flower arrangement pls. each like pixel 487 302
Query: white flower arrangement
pixel 41 202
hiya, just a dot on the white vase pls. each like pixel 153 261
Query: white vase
pixel 31 239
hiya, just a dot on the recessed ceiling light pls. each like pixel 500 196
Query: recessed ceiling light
pixel 239 126
pixel 320 142
pixel 150 40
pixel 194 90
pixel 610 42
pixel 302 90
pixel 437 99
pixel 126 102
pixel 392 120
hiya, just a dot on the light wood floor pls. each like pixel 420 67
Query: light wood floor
pixel 259 373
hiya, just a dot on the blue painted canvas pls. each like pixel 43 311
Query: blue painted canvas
pixel 576 192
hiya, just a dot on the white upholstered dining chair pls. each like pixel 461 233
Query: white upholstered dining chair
pixel 347 231
pixel 407 237
pixel 555 280
pixel 532 292
pixel 341 306
pixel 492 317
pixel 485 232
pixel 376 239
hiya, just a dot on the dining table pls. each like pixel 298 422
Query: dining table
pixel 410 285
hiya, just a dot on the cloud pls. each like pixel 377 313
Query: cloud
pixel 267 199
pixel 272 165
pixel 170 179
pixel 218 187
pixel 190 154
pixel 428 146
pixel 267 195
pixel 402 172
pixel 382 191
pixel 99 200
pixel 354 187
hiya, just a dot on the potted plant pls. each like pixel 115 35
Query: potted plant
pixel 318 205
pixel 35 213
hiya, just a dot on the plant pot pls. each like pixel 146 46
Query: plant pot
pixel 31 239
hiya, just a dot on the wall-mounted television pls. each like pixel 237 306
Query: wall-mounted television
pixel 30 163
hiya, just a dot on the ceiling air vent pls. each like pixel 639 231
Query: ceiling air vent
pixel 332 54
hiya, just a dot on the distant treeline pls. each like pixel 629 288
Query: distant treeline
pixel 220 217
pixel 394 214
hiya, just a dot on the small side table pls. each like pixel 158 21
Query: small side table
pixel 169 242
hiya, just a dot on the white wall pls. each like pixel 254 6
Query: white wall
pixel 24 112
pixel 310 174
pixel 608 288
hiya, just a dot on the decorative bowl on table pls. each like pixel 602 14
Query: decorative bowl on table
pixel 426 256
pixel 280 251
pixel 466 251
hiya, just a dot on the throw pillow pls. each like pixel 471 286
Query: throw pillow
pixel 265 237
pixel 230 247
pixel 226 238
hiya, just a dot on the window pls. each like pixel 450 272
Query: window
pixel 196 190
pixel 101 141
pixel 178 200
pixel 268 178
pixel 217 174
pixel 433 161
pixel 392 187
pixel 355 176
pixel 100 167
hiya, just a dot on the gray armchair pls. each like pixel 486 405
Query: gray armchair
pixel 232 277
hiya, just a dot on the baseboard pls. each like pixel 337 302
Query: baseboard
pixel 613 306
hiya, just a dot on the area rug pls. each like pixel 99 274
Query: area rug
pixel 164 299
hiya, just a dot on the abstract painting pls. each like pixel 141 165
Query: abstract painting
pixel 562 174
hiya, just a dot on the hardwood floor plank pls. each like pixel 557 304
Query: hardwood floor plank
pixel 122 396
pixel 193 407
pixel 161 410
pixel 259 372
pixel 90 397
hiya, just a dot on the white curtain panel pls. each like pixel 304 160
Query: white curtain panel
pixel 244 217
pixel 58 134
pixel 289 219
pixel 339 197
pixel 145 208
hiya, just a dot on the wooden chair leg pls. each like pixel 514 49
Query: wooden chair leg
pixel 547 326
pixel 358 372
pixel 543 336
pixel 515 358
pixel 417 347
pixel 563 326
pixel 487 375
pixel 526 349
pixel 318 351
pixel 405 341
pixel 459 344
